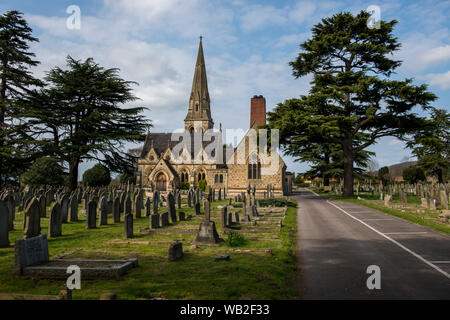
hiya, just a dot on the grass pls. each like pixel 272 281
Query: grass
pixel 412 211
pixel 250 273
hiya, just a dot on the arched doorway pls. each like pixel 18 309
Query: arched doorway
pixel 161 182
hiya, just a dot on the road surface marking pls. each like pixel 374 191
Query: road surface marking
pixel 397 243
pixel 360 211
pixel 405 232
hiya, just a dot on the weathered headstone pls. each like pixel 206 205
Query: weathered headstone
pixel 178 197
pixel 154 221
pixel 4 225
pixel 444 199
pixel 128 225
pixel 64 209
pixel 148 207
pixel 30 252
pixel 55 222
pixel 32 219
pixel 127 205
pixel 137 206
pixel 42 206
pixel 116 210
pixel 103 211
pixel 387 200
pixel 424 202
pixel 164 217
pixel 91 215
pixel 182 215
pixel 207 234
pixel 206 208
pixel 197 208
pixel 73 203
pixel 155 202
pixel 224 217
pixel 171 207
pixel 175 251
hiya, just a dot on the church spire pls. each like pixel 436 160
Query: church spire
pixel 199 112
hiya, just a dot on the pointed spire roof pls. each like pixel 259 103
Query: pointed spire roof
pixel 199 102
pixel 200 82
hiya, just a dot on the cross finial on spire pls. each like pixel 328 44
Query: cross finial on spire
pixel 201 37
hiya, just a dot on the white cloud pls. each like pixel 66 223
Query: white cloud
pixel 441 80
pixel 258 16
pixel 437 54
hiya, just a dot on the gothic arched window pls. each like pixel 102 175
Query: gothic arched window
pixel 216 178
pixel 221 178
pixel 254 167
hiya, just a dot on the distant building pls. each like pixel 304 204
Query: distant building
pixel 160 168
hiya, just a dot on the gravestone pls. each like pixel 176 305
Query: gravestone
pixel 432 204
pixel 219 195
pixel 224 217
pixel 64 209
pixel 4 225
pixel 122 202
pixel 387 200
pixel 175 251
pixel 55 222
pixel 182 216
pixel 189 198
pixel 148 207
pixel 197 208
pixel 154 221
pixel 254 211
pixel 42 206
pixel 137 206
pixel 127 205
pixel 155 202
pixel 164 217
pixel 206 208
pixel 128 225
pixel 444 199
pixel 230 219
pixel 30 252
pixel 171 207
pixel 32 219
pixel 424 202
pixel 207 234
pixel 236 217
pixel 103 211
pixel 179 200
pixel 116 210
pixel 91 215
pixel 73 203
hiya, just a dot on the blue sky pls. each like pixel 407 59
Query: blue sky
pixel 247 45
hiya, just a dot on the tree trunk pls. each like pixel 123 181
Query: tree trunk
pixel 440 176
pixel 348 167
pixel 73 174
pixel 326 180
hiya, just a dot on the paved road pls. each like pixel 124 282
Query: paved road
pixel 337 241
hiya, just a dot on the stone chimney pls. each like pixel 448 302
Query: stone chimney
pixel 257 111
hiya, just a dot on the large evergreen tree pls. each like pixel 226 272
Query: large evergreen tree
pixel 350 65
pixel 301 137
pixel 16 80
pixel 79 115
pixel 431 145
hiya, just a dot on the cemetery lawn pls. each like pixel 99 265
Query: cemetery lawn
pixel 261 268
pixel 411 211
